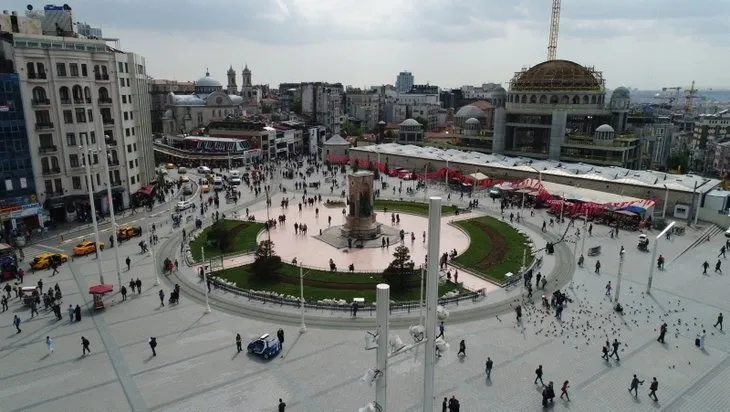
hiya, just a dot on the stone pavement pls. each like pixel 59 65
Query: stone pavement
pixel 197 368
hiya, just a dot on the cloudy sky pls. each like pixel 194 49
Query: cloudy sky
pixel 637 43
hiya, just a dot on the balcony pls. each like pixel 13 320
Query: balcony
pixel 110 142
pixel 44 149
pixel 105 100
pixel 108 121
pixel 101 77
pixel 52 171
pixel 40 102
pixel 37 76
pixel 65 101
pixel 44 126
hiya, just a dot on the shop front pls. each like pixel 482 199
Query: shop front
pixel 22 218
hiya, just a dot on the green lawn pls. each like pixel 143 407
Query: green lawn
pixel 414 208
pixel 477 257
pixel 241 276
pixel 245 238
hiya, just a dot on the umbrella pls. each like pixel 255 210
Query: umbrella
pixel 100 289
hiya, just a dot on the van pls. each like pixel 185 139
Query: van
pixel 218 183
pixel 235 181
pixel 235 174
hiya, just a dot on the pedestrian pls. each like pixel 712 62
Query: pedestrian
pixel 608 288
pixel 598 267
pixel 238 342
pixel 4 302
pixel 564 391
pixel 49 344
pixel 282 406
pixel 722 252
pixel 132 285
pixel 162 297
pixel 454 403
pixel 719 319
pixel 705 265
pixel 488 367
pixel 40 286
pixel 518 312
pixel 280 336
pixel 77 313
pixel 702 340
pixel 139 286
pixel 16 323
pixel 71 313
pixel 538 375
pixel 462 348
pixel 85 346
pixel 445 405
pixel 129 263
pixel 615 349
pixel 635 382
pixel 33 309
pixel 537 279
pixel 662 332
pixel 441 330
pixel 124 293
pixel 717 266
pixel 153 345
pixel 652 389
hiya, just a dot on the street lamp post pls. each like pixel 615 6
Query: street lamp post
pixel 303 327
pixel 434 234
pixel 90 187
pixel 205 279
pixel 382 310
pixel 111 213
pixel 420 302
pixel 653 254
pixel 618 279
pixel 155 269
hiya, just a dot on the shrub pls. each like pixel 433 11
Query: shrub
pixel 266 262
pixel 401 270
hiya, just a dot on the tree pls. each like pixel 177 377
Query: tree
pixel 423 122
pixel 679 161
pixel 266 262
pixel 351 128
pixel 401 270
pixel 296 107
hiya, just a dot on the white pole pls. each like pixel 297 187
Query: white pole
pixel 523 201
pixel 618 280
pixel 154 261
pixel 425 182
pixel 697 207
pixel 653 255
pixel 583 238
pixel 420 302
pixel 111 212
pixel 205 279
pixel 446 176
pixel 89 186
pixel 432 283
pixel 666 202
pixel 562 207
pixel 382 310
pixel 303 327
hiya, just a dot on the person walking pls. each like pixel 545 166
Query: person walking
pixel 608 288
pixel 85 346
pixel 153 345
pixel 40 286
pixel 538 375
pixel 33 309
pixel 124 293
pixel 49 344
pixel 662 332
pixel 702 340
pixel 719 319
pixel 705 265
pixel 605 352
pixel 615 349
pixel 4 302
pixel 161 294
pixel 488 367
pixel 445 405
pixel 441 330
pixel 128 261
pixel 132 285
pixel 16 323
pixel 280 337
pixel 54 267
pixel 635 382
pixel 564 391
pixel 238 342
pixel 139 286
pixel 462 348
pixel 598 267
pixel 717 266
pixel 652 389
pixel 282 406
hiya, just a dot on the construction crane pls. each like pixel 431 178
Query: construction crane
pixel 554 29
pixel 689 96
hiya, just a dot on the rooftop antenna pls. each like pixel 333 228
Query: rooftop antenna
pixel 554 29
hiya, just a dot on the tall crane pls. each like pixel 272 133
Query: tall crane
pixel 554 29
pixel 689 98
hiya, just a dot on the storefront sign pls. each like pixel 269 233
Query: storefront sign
pixel 27 210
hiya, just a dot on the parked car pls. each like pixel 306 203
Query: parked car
pixel 43 261
pixel 86 247
pixel 266 346
pixel 183 205
pixel 128 232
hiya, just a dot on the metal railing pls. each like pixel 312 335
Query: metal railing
pixel 370 308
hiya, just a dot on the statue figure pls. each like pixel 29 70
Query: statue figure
pixel 366 208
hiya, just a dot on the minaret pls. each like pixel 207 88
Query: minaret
pixel 231 88
pixel 246 77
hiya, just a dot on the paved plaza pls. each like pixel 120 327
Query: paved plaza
pixel 197 367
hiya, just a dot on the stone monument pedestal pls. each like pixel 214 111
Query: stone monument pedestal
pixel 360 222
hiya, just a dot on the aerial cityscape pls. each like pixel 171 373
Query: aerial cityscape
pixel 244 217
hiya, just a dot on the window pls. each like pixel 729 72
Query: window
pixel 126 116
pixel 127 82
pixel 90 115
pixel 133 131
pixel 49 186
pixel 80 115
pixel 42 117
pixel 126 68
pixel 41 70
pixel 84 72
pixel 83 139
pixel 96 159
pixel 132 180
pixel 65 95
pixel 92 137
pixel 126 132
pixel 68 116
pixel 98 179
pixel 39 95
pixel 136 162
pixel 124 98
pixel 61 69
pixel 59 185
pixel 130 99
pixel 71 139
pixel 76 182
pixel 78 94
pixel 73 160
pixel 135 147
pixel 121 67
pixel 131 116
pixel 31 70
pixel 121 82
pixel 46 140
pixel 74 69
pixel 131 164
pixel 129 148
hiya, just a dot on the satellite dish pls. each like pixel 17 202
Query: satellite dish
pixel 29 7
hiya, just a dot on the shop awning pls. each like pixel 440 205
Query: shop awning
pixel 146 190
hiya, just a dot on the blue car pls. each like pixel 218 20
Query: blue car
pixel 267 346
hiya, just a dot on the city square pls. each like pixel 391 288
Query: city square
pixel 196 364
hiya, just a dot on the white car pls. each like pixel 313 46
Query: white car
pixel 203 169
pixel 235 181
pixel 184 205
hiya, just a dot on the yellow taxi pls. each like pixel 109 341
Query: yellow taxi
pixel 169 166
pixel 127 232
pixel 43 261
pixel 205 188
pixel 86 247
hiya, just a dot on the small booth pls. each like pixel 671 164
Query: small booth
pixel 29 294
pixel 98 292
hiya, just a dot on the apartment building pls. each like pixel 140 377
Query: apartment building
pixel 404 82
pixel 365 106
pixel 709 131
pixel 323 103
pixel 80 91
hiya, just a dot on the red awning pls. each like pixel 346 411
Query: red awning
pixel 146 190
pixel 101 289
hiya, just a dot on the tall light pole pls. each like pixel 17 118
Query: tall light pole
pixel 618 279
pixel 420 302
pixel 653 255
pixel 90 186
pixel 205 279
pixel 382 312
pixel 303 327
pixel 155 269
pixel 111 212
pixel 432 283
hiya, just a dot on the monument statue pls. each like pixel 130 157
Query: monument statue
pixel 360 222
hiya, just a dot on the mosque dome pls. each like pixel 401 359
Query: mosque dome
pixel 557 75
